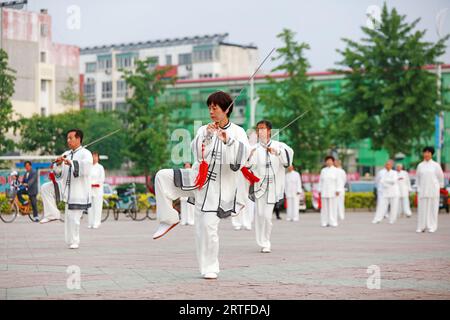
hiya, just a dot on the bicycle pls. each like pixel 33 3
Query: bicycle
pixel 10 210
pixel 150 212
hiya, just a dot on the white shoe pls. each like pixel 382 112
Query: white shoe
pixel 163 228
pixel 95 227
pixel 420 231
pixel 248 228
pixel 210 275
pixel 265 250
pixel 324 225
pixel 375 221
pixel 46 220
pixel 237 228
pixel 431 230
pixel 90 227
pixel 74 246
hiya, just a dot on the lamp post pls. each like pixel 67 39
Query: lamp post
pixel 440 17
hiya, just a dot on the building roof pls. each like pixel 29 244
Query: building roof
pixel 196 40
pixel 445 68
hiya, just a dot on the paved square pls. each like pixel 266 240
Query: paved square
pixel 121 261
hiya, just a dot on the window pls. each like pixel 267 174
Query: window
pixel 43 58
pixel 91 67
pixel 124 61
pixel 184 59
pixel 204 55
pixel 168 59
pixel 104 62
pixel 44 30
pixel 106 106
pixel 43 111
pixel 43 85
pixel 106 89
pixel 121 89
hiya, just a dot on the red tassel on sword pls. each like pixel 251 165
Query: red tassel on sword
pixel 202 171
pixel 249 175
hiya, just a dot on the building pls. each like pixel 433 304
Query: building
pixel 199 57
pixel 43 68
pixel 362 158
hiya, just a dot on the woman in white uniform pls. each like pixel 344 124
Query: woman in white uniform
pixel 97 181
pixel 329 189
pixel 430 179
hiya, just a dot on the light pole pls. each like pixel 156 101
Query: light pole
pixel 440 17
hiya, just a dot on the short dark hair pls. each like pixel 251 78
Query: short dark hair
pixel 221 99
pixel 95 152
pixel 28 162
pixel 78 134
pixel 329 157
pixel 429 149
pixel 265 122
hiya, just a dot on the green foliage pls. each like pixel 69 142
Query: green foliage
pixel 46 135
pixel 147 120
pixel 69 95
pixel 7 80
pixel 286 99
pixel 389 97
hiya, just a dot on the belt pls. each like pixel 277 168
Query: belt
pixel 95 186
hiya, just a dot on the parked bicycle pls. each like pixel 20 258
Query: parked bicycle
pixel 13 207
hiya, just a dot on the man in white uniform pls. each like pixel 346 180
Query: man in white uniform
pixel 390 195
pixel 378 178
pixel 187 210
pixel 97 181
pixel 293 191
pixel 220 150
pixel 329 188
pixel 341 197
pixel 268 161
pixel 404 184
pixel 73 187
pixel 430 179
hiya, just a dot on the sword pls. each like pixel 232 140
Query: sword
pixel 98 140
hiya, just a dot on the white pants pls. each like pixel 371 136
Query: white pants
pixel 341 205
pixel 263 221
pixel 293 204
pixel 382 209
pixel 245 217
pixel 427 214
pixel 95 211
pixel 49 201
pixel 328 212
pixel 72 226
pixel 404 207
pixel 206 224
pixel 187 213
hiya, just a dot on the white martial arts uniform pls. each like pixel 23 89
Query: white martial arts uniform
pixel 341 197
pixel 430 179
pixel 97 181
pixel 187 212
pixel 74 188
pixel 244 218
pixel 404 185
pixel 271 170
pixel 292 191
pixel 329 184
pixel 389 199
pixel 217 196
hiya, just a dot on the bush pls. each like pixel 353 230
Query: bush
pixel 353 200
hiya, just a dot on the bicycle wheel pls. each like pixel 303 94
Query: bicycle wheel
pixel 151 213
pixel 133 212
pixel 8 212
pixel 105 210
pixel 141 215
pixel 116 213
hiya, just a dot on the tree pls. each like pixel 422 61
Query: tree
pixel 69 95
pixel 46 135
pixel 147 120
pixel 286 99
pixel 7 122
pixel 388 95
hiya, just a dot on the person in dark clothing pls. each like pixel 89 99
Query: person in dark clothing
pixel 30 182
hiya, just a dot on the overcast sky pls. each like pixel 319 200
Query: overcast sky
pixel 321 23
